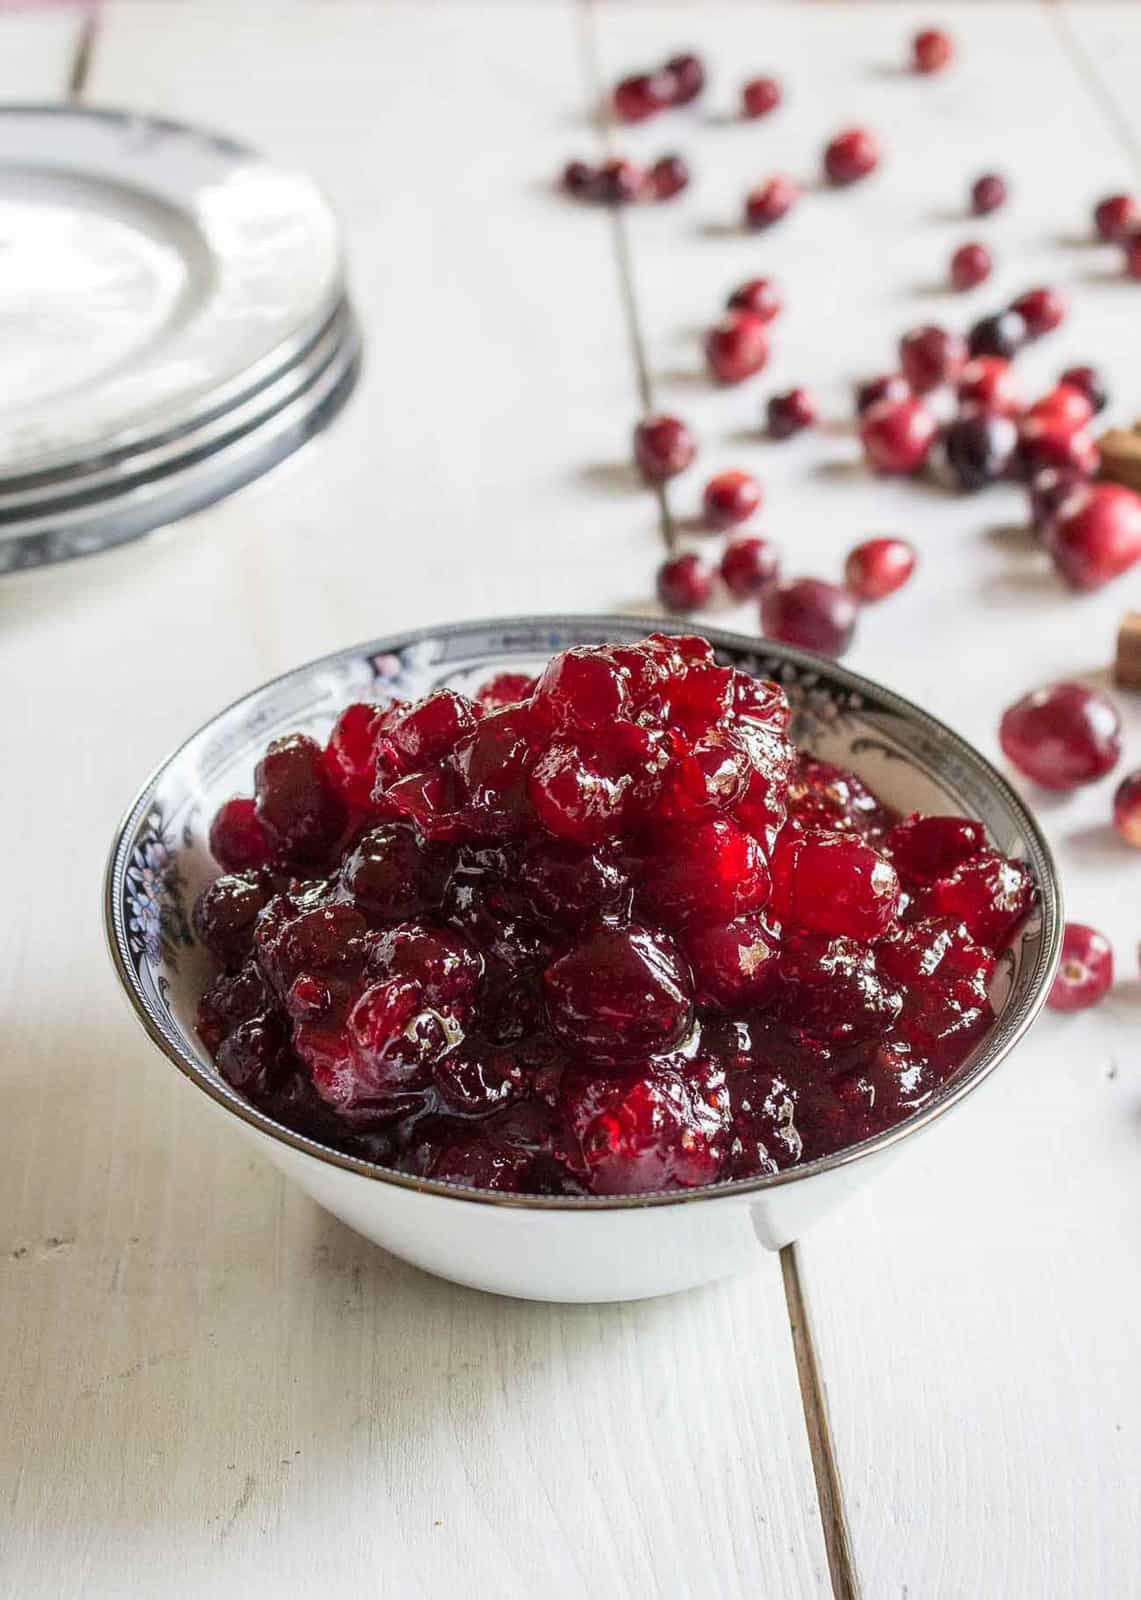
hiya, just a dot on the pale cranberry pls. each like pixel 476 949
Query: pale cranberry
pixel 579 179
pixel 897 436
pixel 685 582
pixel 971 265
pixel 790 413
pixel 989 383
pixel 687 73
pixel 810 613
pixel 1042 310
pixel 668 176
pixel 891 386
pixel 1133 256
pixel 619 181
pixel 1116 217
pixel 850 156
pixel 931 50
pixel 1063 736
pixel 641 96
pixel 736 347
pixel 769 202
pixel 1085 973
pixel 1090 382
pixel 930 356
pixel 758 295
pixel 748 565
pixel 988 193
pixel 760 96
pixel 979 447
pixel 1003 334
pixel 1096 535
pixel 730 498
pixel 663 447
pixel 878 567
pixel 1127 809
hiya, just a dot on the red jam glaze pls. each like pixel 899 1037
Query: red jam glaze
pixel 604 931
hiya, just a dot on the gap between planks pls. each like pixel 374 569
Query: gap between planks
pixel 81 60
pixel 1086 68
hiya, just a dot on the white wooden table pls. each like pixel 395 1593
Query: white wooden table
pixel 210 1388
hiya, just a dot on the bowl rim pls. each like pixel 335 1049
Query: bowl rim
pixel 1002 1040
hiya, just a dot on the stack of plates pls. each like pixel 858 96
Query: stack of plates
pixel 174 322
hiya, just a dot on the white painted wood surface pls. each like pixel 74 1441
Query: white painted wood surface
pixel 209 1387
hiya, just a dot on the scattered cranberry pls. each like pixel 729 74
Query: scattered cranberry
pixel 1063 736
pixel 878 567
pixel 931 50
pixel 989 383
pixel 237 839
pixel 897 436
pixel 979 447
pixel 760 96
pixel 685 583
pixel 930 356
pixel 769 202
pixel 810 613
pixel 619 181
pixel 663 447
pixel 668 176
pixel 1117 216
pixel 1127 809
pixel 758 295
pixel 1096 534
pixel 731 498
pixel 1001 335
pixel 640 96
pixel 688 75
pixel 1091 384
pixel 1133 255
pixel 748 565
pixel 579 179
pixel 1086 970
pixel 850 156
pixel 1052 440
pixel 1042 310
pixel 988 193
pixel 789 413
pixel 971 265
pixel 1049 489
pixel 1064 404
pixel 891 386
pixel 736 347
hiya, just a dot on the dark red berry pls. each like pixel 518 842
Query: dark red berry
pixel 1133 255
pixel 810 613
pixel 1117 216
pixel 237 839
pixel 759 96
pixel 971 265
pixel 1096 535
pixel 668 176
pixel 705 872
pixel 832 883
pixel 1042 310
pixel 619 181
pixel 579 179
pixel 297 806
pixel 758 295
pixel 663 447
pixel 730 498
pixel 878 567
pixel 1127 809
pixel 640 96
pixel 737 347
pixel 1063 736
pixel 989 383
pixel 1052 440
pixel 930 356
pixel 1085 974
pixel 225 914
pixel 851 155
pixel 790 413
pixel 891 386
pixel 769 202
pixel 1090 382
pixel 748 565
pixel 620 995
pixel 989 895
pixel 685 582
pixel 988 193
pixel 931 50
pixel 733 962
pixel 897 436
pixel 1003 334
pixel 926 849
pixel 1065 404
pixel 687 73
pixel 979 447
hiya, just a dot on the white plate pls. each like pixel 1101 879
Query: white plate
pixel 148 272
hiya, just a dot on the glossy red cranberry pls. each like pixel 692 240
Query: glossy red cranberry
pixel 790 413
pixel 685 582
pixel 733 962
pixel 1063 736
pixel 299 809
pixel 759 96
pixel 878 567
pixel 1065 404
pixel 648 1129
pixel 736 347
pixel 687 72
pixel 821 795
pixel 850 156
pixel 1042 310
pixel 925 849
pixel 730 498
pixel 619 181
pixel 892 386
pixel 1096 535
pixel 758 295
pixel 620 995
pixel 705 872
pixel 237 839
pixel 1089 381
pixel 1003 335
pixel 971 265
pixel 988 193
pixel 446 966
pixel 989 383
pixel 769 202
pixel 931 50
pixel 575 796
pixel 979 447
pixel 1133 255
pixel 431 729
pixel 897 436
pixel 1085 974
pixel 1127 809
pixel 579 179
pixel 1117 216
pixel 831 989
pixel 832 883
pixel 668 176
pixel 642 95
pixel 505 689
pixel 748 565
pixel 663 447
pixel 391 876
pixel 930 356
pixel 810 613
pixel 225 914
pixel 1053 441
pixel 582 688
pixel 988 895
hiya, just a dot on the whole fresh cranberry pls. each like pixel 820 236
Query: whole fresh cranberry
pixel 850 156
pixel 1090 383
pixel 759 96
pixel 579 179
pixel 897 436
pixel 971 265
pixel 687 72
pixel 832 883
pixel 790 413
pixel 619 181
pixel 878 567
pixel 1096 535
pixel 1042 310
pixel 736 347
pixel 298 808
pixel 988 193
pixel 769 202
pixel 1065 404
pixel 892 386
pixel 1049 489
pixel 642 95
pixel 1085 974
pixel 979 447
pixel 758 295
pixel 668 176
pixel 237 839
pixel 1003 335
pixel 989 383
pixel 748 565
pixel 931 50
pixel 685 582
pixel 620 995
pixel 1117 216
pixel 663 447
pixel 1053 441
pixel 1063 736
pixel 810 613
pixel 1127 809
pixel 730 498
pixel 1133 255
pixel 930 356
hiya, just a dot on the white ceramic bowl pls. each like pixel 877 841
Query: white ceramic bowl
pixel 537 1247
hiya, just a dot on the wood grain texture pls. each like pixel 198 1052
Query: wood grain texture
pixel 209 1387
